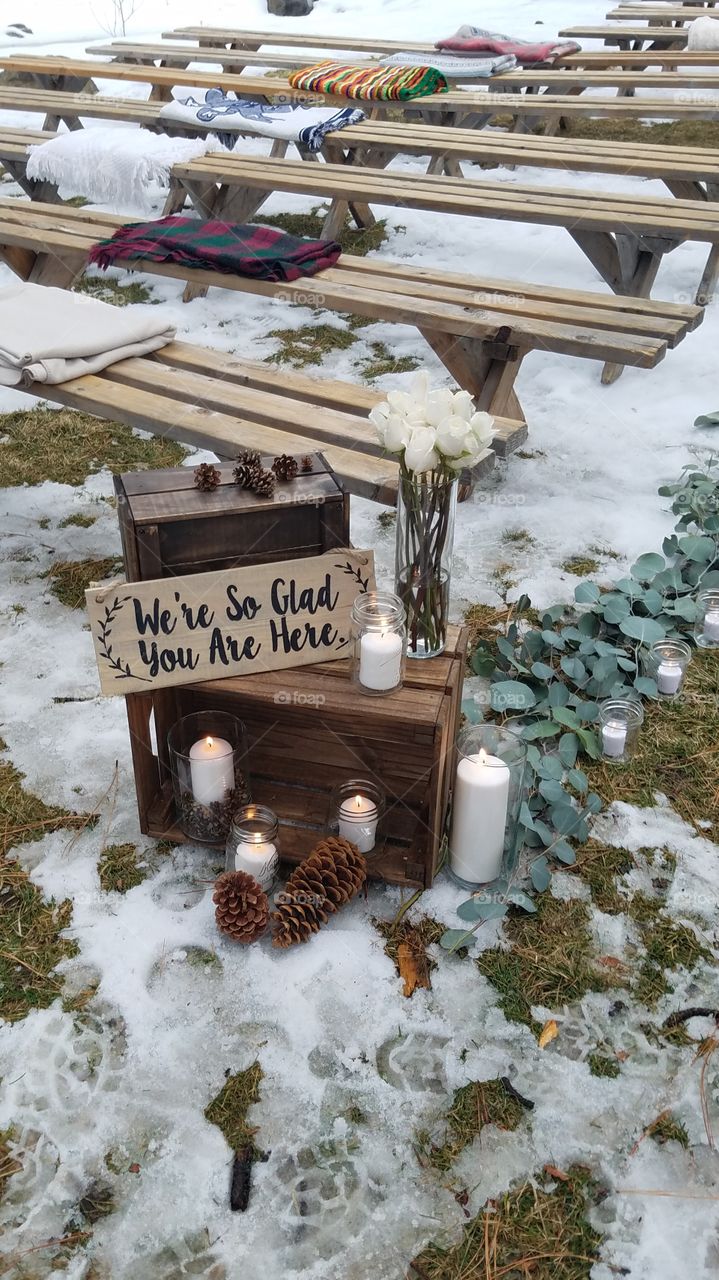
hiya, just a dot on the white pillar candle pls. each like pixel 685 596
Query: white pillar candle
pixel 614 739
pixel 711 626
pixel 669 677
pixel 479 817
pixel 258 860
pixel 358 819
pixel 212 770
pixel 380 660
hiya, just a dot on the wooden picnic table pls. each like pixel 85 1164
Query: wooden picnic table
pixel 631 37
pixel 657 13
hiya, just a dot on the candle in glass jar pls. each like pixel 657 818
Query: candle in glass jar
pixel 380 660
pixel 711 626
pixel 358 819
pixel 479 817
pixel 212 770
pixel 669 677
pixel 614 739
pixel 259 860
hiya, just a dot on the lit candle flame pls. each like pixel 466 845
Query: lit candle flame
pixel 482 756
pixel 210 742
pixel 358 801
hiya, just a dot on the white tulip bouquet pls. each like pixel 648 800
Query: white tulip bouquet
pixel 436 433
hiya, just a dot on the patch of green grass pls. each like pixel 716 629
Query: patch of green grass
pixel 358 241
pixel 97 1202
pixel 676 752
pixel 600 1065
pixel 479 1103
pixel 387 519
pixel 528 454
pixel 70 579
pixel 114 291
pixel 604 553
pixel 668 945
pixel 582 566
pixel 527 1232
pixel 520 538
pixel 78 520
pixel 666 1128
pixel 419 933
pixel 30 926
pixel 308 345
pixel 76 202
pixel 9 1164
pixel 678 133
pixel 550 961
pixel 599 865
pixel 382 362
pixel 229 1109
pixel 65 446
pixel 201 958
pixel 118 869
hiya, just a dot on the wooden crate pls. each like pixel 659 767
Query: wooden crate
pixel 169 527
pixel 309 729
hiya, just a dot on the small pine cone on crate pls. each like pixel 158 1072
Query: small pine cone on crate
pixel 306 464
pixel 249 467
pixel 285 467
pixel 319 886
pixel 241 907
pixel 207 477
pixel 265 484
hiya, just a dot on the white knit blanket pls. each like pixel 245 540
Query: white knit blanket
pixel 472 67
pixel 50 335
pixel 112 166
pixel 703 34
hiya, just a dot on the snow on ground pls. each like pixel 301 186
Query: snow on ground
pixel 329 1023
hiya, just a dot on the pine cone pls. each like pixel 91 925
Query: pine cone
pixel 207 477
pixel 285 467
pixel 306 464
pixel 265 484
pixel 319 886
pixel 241 906
pixel 248 469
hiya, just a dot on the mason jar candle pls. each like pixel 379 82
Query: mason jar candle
pixel 620 721
pixel 207 755
pixel 379 642
pixel 253 844
pixel 355 810
pixel 706 630
pixel 666 663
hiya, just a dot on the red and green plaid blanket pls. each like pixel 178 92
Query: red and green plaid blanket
pixel 389 83
pixel 243 249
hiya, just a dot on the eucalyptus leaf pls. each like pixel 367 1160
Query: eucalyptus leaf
pixel 566 717
pixel 587 593
pixel 482 663
pixel 540 874
pixel 553 640
pixel 453 938
pixel 540 729
pixel 481 909
pixel 579 780
pixel 525 816
pixel 587 711
pixel 646 686
pixel 646 630
pixel 568 749
pixel 574 668
pixel 511 695
pixel 616 609
pixel 564 852
pixel 553 792
pixel 551 767
pixel 564 819
pixel 647 566
pixel 593 803
pixel 698 547
pixel 542 671
pixel 588 625
pixel 520 899
pixel 552 615
pixel 590 742
pixel 604 667
pixel 548 836
pixel 558 695
pixel 653 601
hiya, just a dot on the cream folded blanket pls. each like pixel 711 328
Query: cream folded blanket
pixel 50 335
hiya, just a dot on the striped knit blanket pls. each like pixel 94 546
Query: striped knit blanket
pixel 369 82
pixel 243 249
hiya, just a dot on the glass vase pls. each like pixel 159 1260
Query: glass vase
pixel 210 779
pixel 378 636
pixel 487 795
pixel 426 508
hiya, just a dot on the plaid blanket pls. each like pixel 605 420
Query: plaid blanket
pixel 243 249
pixel 369 82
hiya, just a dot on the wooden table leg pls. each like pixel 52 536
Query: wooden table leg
pixel 488 370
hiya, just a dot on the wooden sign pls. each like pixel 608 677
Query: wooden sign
pixel 204 626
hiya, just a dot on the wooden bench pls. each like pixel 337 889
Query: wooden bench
pixel 625 237
pixel 631 37
pixel 14 150
pixel 650 12
pixel 481 329
pixel 457 106
pixel 218 402
pixel 71 108
pixel 213 37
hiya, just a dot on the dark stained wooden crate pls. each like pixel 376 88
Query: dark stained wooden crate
pixel 169 527
pixel 309 729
